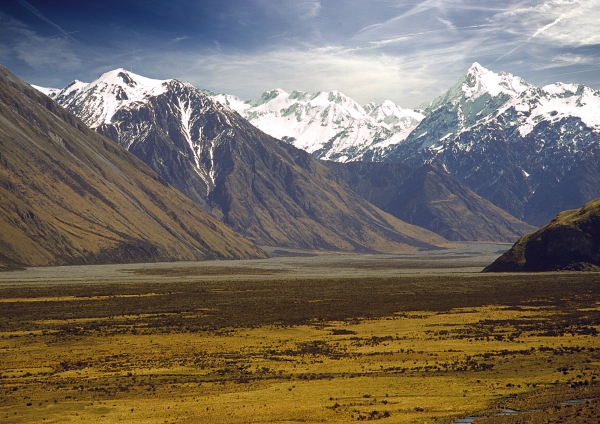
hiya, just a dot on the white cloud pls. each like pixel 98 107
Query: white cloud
pixel 407 51
pixel 564 22
pixel 314 9
pixel 39 53
pixel 576 27
pixel 363 77
pixel 570 59
pixel 178 39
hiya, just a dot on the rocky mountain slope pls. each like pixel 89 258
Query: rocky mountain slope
pixel 521 147
pixel 430 198
pixel 68 195
pixel 569 242
pixel 269 191
pixel 329 125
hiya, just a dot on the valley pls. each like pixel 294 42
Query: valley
pixel 303 336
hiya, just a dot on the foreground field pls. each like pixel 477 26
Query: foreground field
pixel 369 338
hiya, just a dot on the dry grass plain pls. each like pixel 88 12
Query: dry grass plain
pixel 421 338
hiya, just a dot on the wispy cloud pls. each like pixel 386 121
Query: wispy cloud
pixel 408 51
pixel 178 39
pixel 38 52
pixel 552 23
pixel 314 8
pixel 324 69
pixel 44 18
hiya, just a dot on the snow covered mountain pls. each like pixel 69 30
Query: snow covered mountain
pixel 524 148
pixel 126 107
pixel 329 125
pixel 267 190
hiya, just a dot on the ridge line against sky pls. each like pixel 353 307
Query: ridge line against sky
pixel 407 51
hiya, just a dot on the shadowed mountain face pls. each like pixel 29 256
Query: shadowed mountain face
pixel 267 190
pixel 70 196
pixel 430 198
pixel 569 242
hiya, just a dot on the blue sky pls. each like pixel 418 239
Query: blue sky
pixel 408 51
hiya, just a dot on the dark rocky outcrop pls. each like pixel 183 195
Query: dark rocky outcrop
pixel 569 242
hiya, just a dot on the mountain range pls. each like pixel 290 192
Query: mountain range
pixel 329 125
pixel 196 141
pixel 68 195
pixel 532 151
pixel 466 166
pixel 522 147
pixel 267 190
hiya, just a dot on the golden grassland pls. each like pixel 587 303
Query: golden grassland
pixel 418 349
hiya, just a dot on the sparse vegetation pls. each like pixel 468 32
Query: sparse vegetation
pixel 395 349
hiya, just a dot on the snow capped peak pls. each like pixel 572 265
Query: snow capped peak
pixel 50 92
pixel 477 69
pixel 122 78
pixel 267 96
pixel 479 81
pixel 560 89
pixel 337 97
pixel 327 123
pixel 390 114
pixel 232 102
pixel 108 93
pixel 299 95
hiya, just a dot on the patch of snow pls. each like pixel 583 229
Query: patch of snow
pixel 50 92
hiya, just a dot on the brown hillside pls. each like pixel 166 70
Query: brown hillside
pixel 70 196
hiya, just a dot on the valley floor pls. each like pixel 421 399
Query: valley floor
pixel 316 338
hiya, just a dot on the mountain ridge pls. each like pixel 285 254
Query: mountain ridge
pixel 510 144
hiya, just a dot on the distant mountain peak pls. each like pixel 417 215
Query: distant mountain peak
pixel 267 96
pixel 122 76
pixel 328 124
pixel 111 91
pixel 479 81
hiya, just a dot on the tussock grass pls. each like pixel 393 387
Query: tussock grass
pixel 395 349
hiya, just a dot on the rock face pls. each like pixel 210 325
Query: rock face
pixel 267 190
pixel 68 195
pixel 431 198
pixel 569 242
